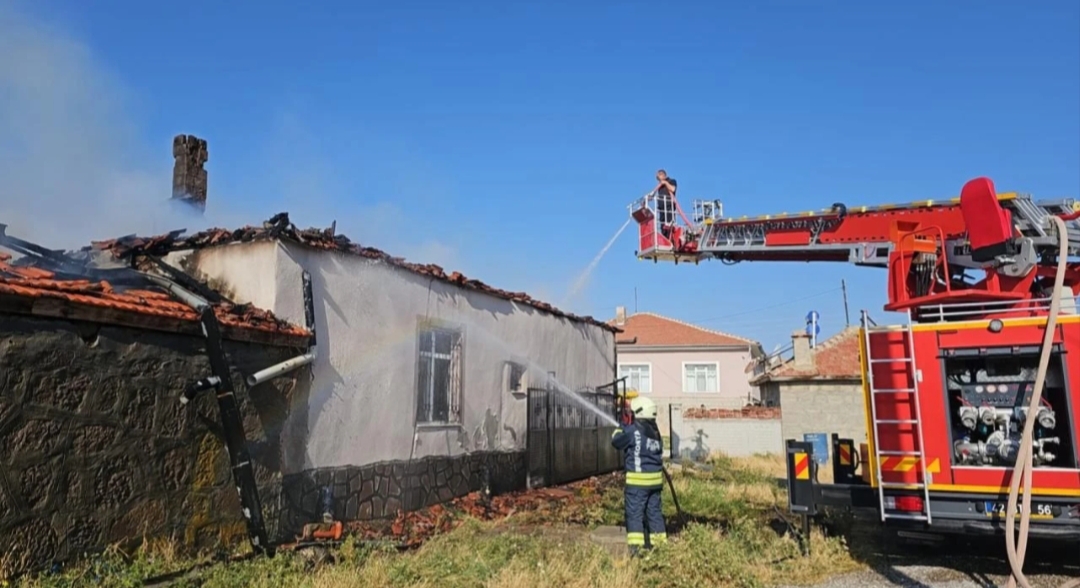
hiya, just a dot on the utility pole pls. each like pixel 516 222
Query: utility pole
pixel 847 317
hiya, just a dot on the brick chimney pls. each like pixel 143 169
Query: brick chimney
pixel 620 316
pixel 800 342
pixel 189 177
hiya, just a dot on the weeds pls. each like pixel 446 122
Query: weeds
pixel 732 541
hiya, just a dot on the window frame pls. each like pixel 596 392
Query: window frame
pixel 455 399
pixel 645 364
pixel 714 364
pixel 509 366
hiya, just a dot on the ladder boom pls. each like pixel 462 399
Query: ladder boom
pixel 928 245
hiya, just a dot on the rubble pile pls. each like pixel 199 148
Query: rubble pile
pixel 565 504
pixel 279 227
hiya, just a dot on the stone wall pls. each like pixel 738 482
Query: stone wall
pixel 95 447
pixel 381 490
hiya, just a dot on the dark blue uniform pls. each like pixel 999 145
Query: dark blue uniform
pixel 643 459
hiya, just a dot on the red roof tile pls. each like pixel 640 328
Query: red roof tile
pixel 280 228
pixel 835 358
pixel 653 330
pixel 36 291
pixel 746 412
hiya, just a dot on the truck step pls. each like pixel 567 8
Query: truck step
pixel 906 516
pixel 905 485
pixel 897 422
pixel 894 391
pixel 891 360
pixel 901 453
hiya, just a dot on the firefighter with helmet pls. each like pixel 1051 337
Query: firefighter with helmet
pixel 643 454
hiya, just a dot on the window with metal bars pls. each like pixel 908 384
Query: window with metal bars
pixel 515 377
pixel 438 375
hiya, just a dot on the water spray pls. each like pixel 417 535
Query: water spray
pixel 582 278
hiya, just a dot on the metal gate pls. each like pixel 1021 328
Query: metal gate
pixel 567 440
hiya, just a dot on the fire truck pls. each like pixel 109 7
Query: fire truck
pixel 948 393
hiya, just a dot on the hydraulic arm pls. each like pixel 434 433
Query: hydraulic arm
pixel 982 247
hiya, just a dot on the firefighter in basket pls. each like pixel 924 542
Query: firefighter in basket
pixel 643 451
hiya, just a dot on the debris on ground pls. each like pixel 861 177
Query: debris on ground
pixel 563 504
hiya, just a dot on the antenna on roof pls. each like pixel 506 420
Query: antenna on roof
pixel 813 328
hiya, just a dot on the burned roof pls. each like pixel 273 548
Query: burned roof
pixel 49 283
pixel 280 228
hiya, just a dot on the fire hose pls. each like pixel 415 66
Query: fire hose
pixel 1024 467
pixel 674 497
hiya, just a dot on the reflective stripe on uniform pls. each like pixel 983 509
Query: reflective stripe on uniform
pixel 635 538
pixel 615 432
pixel 644 479
pixel 656 538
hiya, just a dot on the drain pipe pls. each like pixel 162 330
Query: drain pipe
pixel 299 361
pixel 232 423
pixel 280 369
pixel 186 296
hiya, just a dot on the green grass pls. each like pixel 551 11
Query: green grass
pixel 732 544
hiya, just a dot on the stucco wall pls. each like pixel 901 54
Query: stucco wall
pixel 95 447
pixel 739 434
pixel 362 406
pixel 822 407
pixel 667 378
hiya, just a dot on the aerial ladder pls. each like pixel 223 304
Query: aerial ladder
pixel 925 245
pixel 974 387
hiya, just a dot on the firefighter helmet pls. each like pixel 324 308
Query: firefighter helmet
pixel 643 408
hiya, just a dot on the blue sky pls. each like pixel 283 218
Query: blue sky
pixel 507 139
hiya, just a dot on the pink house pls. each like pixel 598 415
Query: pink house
pixel 678 363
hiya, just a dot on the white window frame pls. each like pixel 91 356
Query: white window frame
pixel 645 364
pixel 716 366
pixel 456 383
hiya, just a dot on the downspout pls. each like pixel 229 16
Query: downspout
pixel 232 422
pixel 614 359
pixel 299 361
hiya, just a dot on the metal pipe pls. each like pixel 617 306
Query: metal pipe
pixel 190 298
pixel 199 386
pixel 282 368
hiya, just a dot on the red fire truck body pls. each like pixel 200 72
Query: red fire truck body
pixel 946 394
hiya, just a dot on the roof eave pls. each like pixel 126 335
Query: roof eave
pixel 397 263
pixel 61 309
pixel 660 348
pixel 804 378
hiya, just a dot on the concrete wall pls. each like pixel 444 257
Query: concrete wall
pixel 666 368
pixel 362 407
pixel 697 433
pixel 95 447
pixel 821 407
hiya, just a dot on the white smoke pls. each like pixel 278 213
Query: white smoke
pixel 75 169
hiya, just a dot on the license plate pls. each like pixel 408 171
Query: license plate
pixel 1038 511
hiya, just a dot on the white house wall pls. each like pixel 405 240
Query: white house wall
pixel 362 405
pixel 249 271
